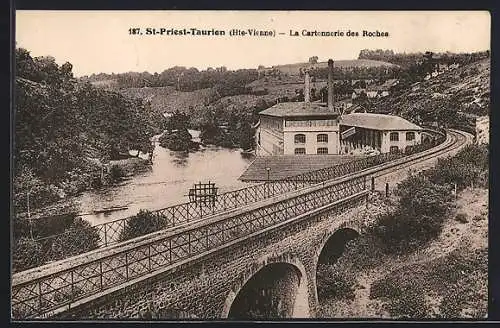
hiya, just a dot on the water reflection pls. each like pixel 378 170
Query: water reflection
pixel 168 181
pixel 180 158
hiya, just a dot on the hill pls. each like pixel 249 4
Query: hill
pixel 454 97
pixel 294 69
pixel 109 84
pixel 167 99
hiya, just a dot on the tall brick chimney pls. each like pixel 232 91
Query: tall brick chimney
pixel 307 87
pixel 330 85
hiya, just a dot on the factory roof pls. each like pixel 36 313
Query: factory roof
pixel 292 109
pixel 378 121
pixel 285 166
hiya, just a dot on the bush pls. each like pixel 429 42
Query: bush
pixel 116 173
pixel 332 284
pixel 180 140
pixel 419 196
pixel 405 299
pixel 469 167
pixel 419 217
pixel 466 277
pixel 141 224
pixel 461 217
pixel 78 238
pixel 27 254
pixel 411 305
pixel 477 218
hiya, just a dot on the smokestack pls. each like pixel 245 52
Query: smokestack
pixel 307 88
pixel 330 85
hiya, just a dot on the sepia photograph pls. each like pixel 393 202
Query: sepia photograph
pixel 250 165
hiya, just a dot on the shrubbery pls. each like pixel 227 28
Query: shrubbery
pixel 141 224
pixel 461 217
pixel 419 217
pixel 404 298
pixel 177 141
pixel 116 173
pixel 332 284
pixel 78 238
pixel 469 167
pixel 27 254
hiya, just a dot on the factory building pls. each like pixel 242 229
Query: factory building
pixel 384 133
pixel 306 128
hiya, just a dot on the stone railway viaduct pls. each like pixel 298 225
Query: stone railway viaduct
pixel 208 287
pixel 270 263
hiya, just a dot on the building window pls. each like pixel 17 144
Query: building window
pixel 323 150
pixel 300 138
pixel 408 149
pixel 410 136
pixel 394 136
pixel 299 151
pixel 259 138
pixel 322 137
pixel 394 149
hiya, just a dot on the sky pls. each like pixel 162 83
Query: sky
pixel 99 41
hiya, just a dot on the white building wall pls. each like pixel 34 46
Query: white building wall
pixel 311 144
pixel 402 143
pixel 269 141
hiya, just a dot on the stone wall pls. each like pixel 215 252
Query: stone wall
pixel 206 288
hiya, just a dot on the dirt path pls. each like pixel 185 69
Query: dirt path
pixel 472 203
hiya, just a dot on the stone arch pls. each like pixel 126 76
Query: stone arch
pixel 338 237
pixel 329 240
pixel 301 305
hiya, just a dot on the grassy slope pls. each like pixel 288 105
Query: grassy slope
pixel 447 279
pixel 294 68
pixel 167 99
pixel 467 84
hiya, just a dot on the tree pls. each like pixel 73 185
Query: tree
pixel 313 60
pixel 419 217
pixel 418 195
pixel 80 237
pixel 142 223
pixel 27 253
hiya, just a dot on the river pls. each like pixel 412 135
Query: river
pixel 168 181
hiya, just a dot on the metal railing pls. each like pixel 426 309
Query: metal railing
pixel 110 232
pixel 40 296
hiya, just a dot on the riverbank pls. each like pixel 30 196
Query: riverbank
pixel 68 203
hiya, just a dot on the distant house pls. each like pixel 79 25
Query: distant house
pixel 342 105
pixel 357 92
pixel 390 83
pixel 383 90
pixel 372 91
pixel 483 130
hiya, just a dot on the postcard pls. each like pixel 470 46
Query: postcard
pixel 250 165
